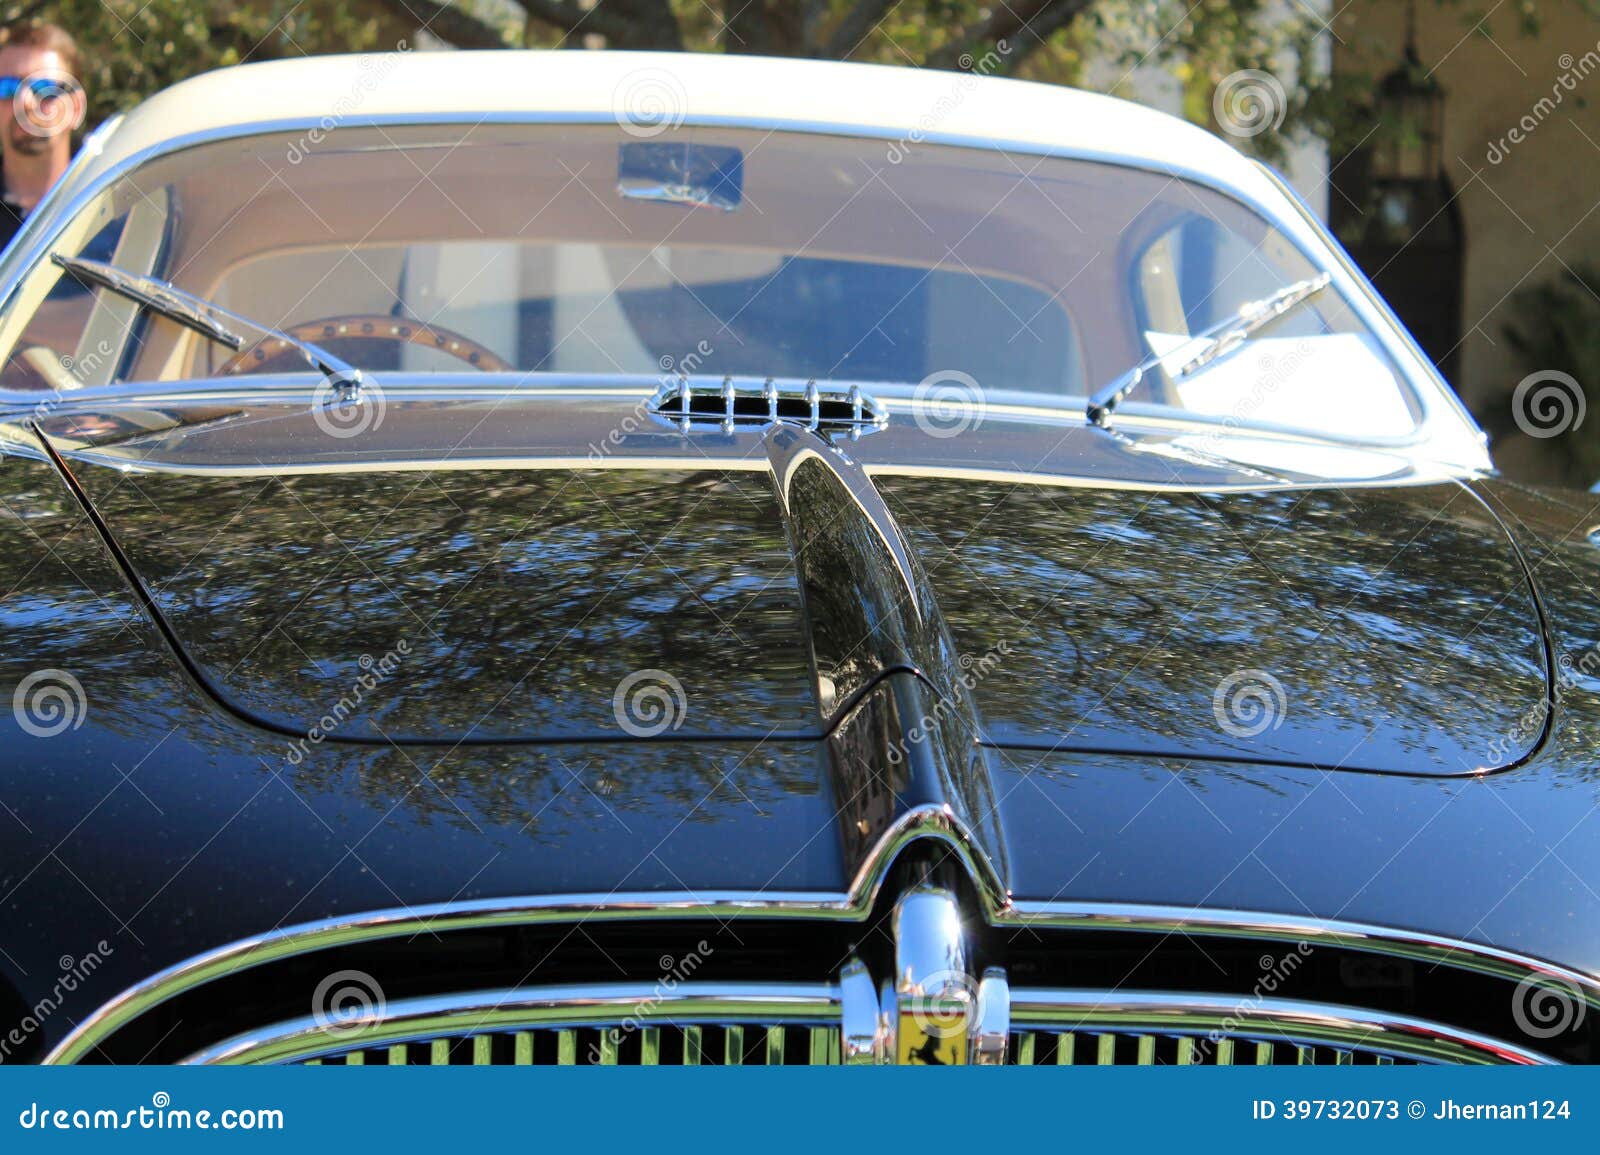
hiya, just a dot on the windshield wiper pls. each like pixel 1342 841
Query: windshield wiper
pixel 1227 335
pixel 202 316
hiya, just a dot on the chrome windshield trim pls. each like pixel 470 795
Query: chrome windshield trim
pixel 285 942
pixel 895 398
pixel 1420 376
pixel 1280 1020
pixel 483 1012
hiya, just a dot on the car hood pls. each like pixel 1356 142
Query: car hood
pixel 536 598
pixel 148 811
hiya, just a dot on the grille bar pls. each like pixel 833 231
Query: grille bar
pixel 1218 1030
pixel 800 1024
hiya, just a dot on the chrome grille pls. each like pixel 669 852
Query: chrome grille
pixel 732 1045
pixel 687 403
pixel 1127 1048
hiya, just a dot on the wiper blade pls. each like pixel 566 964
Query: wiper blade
pixel 202 316
pixel 1226 336
pixel 157 296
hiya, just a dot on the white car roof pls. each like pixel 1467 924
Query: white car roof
pixel 898 104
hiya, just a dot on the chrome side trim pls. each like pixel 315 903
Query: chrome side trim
pixel 1286 1020
pixel 600 1004
pixel 284 942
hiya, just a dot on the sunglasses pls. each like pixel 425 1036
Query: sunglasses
pixel 42 88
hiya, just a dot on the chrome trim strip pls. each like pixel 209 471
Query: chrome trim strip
pixel 1288 1020
pixel 936 823
pixel 1418 946
pixel 284 942
pixel 481 1012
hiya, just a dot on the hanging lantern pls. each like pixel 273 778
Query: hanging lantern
pixel 1410 115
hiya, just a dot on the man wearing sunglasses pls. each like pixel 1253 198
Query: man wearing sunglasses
pixel 41 103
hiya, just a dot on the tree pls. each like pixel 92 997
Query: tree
pixel 132 49
pixel 135 47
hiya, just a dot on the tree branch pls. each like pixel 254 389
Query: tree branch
pixel 857 24
pixel 1034 36
pixel 448 23
pixel 1029 22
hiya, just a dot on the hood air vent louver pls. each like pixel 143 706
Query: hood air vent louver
pixel 688 403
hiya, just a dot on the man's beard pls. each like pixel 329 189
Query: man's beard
pixel 29 144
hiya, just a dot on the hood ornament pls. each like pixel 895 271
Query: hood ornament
pixel 932 1011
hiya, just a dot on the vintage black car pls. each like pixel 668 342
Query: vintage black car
pixel 600 558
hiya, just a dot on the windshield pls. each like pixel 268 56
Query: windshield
pixel 584 250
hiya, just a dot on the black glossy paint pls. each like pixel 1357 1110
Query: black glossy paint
pixel 166 824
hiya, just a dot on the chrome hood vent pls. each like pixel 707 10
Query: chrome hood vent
pixel 690 403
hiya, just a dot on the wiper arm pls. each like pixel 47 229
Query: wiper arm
pixel 202 316
pixel 1227 334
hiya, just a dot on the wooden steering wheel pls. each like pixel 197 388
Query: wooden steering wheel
pixel 365 327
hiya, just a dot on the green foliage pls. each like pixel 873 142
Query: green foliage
pixel 132 49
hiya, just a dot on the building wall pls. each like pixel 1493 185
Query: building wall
pixel 1528 207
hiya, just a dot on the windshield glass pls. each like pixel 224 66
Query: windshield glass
pixel 584 250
